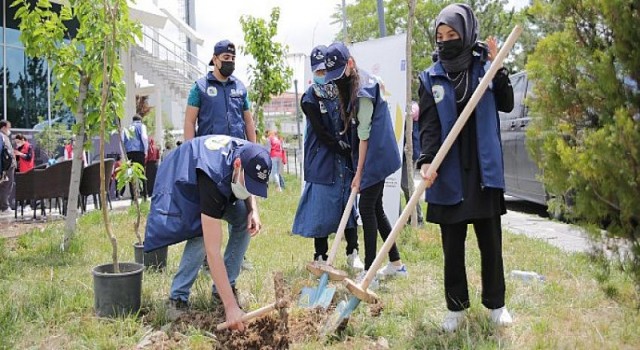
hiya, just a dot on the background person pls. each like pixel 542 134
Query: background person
pixel 469 188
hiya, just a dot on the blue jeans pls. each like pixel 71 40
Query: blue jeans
pixel 236 216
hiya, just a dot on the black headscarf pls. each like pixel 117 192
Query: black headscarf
pixel 461 18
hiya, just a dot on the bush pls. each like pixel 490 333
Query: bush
pixel 586 133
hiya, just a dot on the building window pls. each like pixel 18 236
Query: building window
pixel 27 95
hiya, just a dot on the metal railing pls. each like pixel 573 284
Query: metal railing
pixel 172 55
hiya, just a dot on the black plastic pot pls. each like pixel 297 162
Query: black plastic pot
pixel 117 294
pixel 138 253
pixel 156 259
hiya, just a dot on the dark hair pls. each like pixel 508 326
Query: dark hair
pixel 21 137
pixel 178 143
pixel 137 117
pixel 350 98
pixel 3 123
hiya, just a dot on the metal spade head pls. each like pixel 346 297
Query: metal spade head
pixel 314 297
pixel 342 313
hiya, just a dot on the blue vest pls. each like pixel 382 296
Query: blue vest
pixel 447 189
pixel 221 107
pixel 382 158
pixel 175 206
pixel 318 158
pixel 134 143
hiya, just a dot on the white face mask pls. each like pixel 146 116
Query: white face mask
pixel 239 190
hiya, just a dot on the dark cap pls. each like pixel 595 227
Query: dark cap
pixel 317 57
pixel 336 61
pixel 257 167
pixel 224 46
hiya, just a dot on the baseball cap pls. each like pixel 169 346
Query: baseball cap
pixel 336 61
pixel 257 167
pixel 317 57
pixel 223 46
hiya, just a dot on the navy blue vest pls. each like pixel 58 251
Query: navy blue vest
pixel 318 158
pixel 134 143
pixel 447 189
pixel 175 206
pixel 221 107
pixel 382 158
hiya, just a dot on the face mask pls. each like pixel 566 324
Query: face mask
pixel 449 49
pixel 343 81
pixel 318 80
pixel 239 191
pixel 227 68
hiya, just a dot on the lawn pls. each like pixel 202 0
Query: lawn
pixel 46 296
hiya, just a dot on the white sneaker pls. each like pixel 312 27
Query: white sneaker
pixel 501 317
pixel 319 259
pixel 452 321
pixel 354 262
pixel 374 283
pixel 391 270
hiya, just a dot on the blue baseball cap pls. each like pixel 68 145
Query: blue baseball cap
pixel 256 163
pixel 224 46
pixel 336 61
pixel 317 57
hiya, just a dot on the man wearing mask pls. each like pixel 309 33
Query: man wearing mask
pixel 218 104
pixel 6 185
pixel 197 187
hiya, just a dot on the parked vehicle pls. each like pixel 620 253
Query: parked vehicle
pixel 520 171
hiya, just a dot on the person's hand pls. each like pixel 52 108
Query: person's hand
pixel 355 184
pixel 492 43
pixel 233 317
pixel 423 172
pixel 345 148
pixel 17 153
pixel 254 225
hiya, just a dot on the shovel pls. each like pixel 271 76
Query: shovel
pixel 322 295
pixel 359 291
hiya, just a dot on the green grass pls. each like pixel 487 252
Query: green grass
pixel 46 296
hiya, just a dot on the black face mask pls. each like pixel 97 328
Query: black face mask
pixel 450 49
pixel 343 81
pixel 227 68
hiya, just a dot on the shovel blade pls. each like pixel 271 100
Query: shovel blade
pixel 314 297
pixel 342 313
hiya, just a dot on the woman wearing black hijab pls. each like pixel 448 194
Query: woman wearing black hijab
pixel 470 182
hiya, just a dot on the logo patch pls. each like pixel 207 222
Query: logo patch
pixel 216 142
pixel 438 93
pixel 323 108
pixel 263 174
pixel 331 61
pixel 212 91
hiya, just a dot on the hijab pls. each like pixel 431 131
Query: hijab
pixel 461 18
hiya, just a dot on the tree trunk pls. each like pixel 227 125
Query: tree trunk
pixel 408 123
pixel 76 165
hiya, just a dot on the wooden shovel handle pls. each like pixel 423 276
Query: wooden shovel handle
pixel 343 224
pixel 442 152
pixel 251 315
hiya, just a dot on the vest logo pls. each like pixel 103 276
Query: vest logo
pixel 236 93
pixel 438 93
pixel 323 108
pixel 215 143
pixel 212 91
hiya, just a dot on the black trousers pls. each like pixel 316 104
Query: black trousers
pixel 138 157
pixel 489 234
pixel 373 220
pixel 321 244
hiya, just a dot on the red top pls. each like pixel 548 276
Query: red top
pixel 26 162
pixel 276 147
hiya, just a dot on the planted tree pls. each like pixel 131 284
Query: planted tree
pixel 76 64
pixel 269 75
pixel 585 134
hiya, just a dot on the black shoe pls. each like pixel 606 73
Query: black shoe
pixel 178 304
pixel 216 297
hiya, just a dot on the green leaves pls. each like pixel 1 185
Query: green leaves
pixel 269 75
